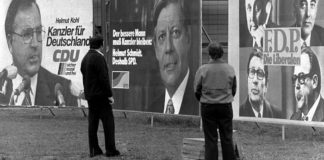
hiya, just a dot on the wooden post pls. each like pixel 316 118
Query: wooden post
pixel 125 115
pixel 40 116
pixel 200 117
pixel 257 124
pixel 283 132
pixel 152 120
pixel 200 127
pixel 84 114
pixel 51 112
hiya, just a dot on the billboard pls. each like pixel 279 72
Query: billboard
pixel 42 44
pixel 280 61
pixel 155 50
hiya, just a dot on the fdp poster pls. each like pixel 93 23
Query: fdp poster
pixel 280 60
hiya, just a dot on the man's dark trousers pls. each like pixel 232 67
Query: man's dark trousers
pixel 218 116
pixel 100 108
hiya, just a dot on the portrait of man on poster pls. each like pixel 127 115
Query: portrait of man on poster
pixel 34 85
pixel 172 41
pixel 256 104
pixel 307 87
pixel 257 20
pixel 305 12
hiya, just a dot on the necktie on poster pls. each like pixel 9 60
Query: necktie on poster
pixel 27 99
pixel 170 107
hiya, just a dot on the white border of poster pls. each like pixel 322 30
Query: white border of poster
pixel 233 49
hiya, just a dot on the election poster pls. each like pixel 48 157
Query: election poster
pixel 155 50
pixel 42 45
pixel 280 60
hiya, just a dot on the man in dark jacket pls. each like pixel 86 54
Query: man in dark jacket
pixel 98 93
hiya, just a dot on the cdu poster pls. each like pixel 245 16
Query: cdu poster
pixel 280 60
pixel 42 44
pixel 155 50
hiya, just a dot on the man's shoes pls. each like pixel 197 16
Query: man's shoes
pixel 96 153
pixel 113 153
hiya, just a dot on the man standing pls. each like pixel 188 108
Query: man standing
pixel 172 43
pixel 25 34
pixel 98 93
pixel 307 82
pixel 215 87
pixel 256 104
pixel 305 13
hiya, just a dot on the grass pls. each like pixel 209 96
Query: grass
pixel 266 142
pixel 36 134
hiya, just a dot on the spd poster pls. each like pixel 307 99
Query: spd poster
pixel 155 50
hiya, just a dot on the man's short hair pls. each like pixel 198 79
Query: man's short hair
pixel 96 42
pixel 315 67
pixel 160 4
pixel 14 7
pixel 215 50
pixel 259 54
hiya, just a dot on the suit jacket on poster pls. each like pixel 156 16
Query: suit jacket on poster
pixel 317 37
pixel 189 105
pixel 247 111
pixel 318 115
pixel 5 91
pixel 95 76
pixel 45 90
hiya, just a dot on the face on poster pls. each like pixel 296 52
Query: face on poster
pixel 46 45
pixel 160 41
pixel 286 36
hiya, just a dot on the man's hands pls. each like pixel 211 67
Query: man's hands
pixel 111 100
pixel 258 35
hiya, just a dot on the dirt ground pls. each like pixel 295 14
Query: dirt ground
pixel 36 134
